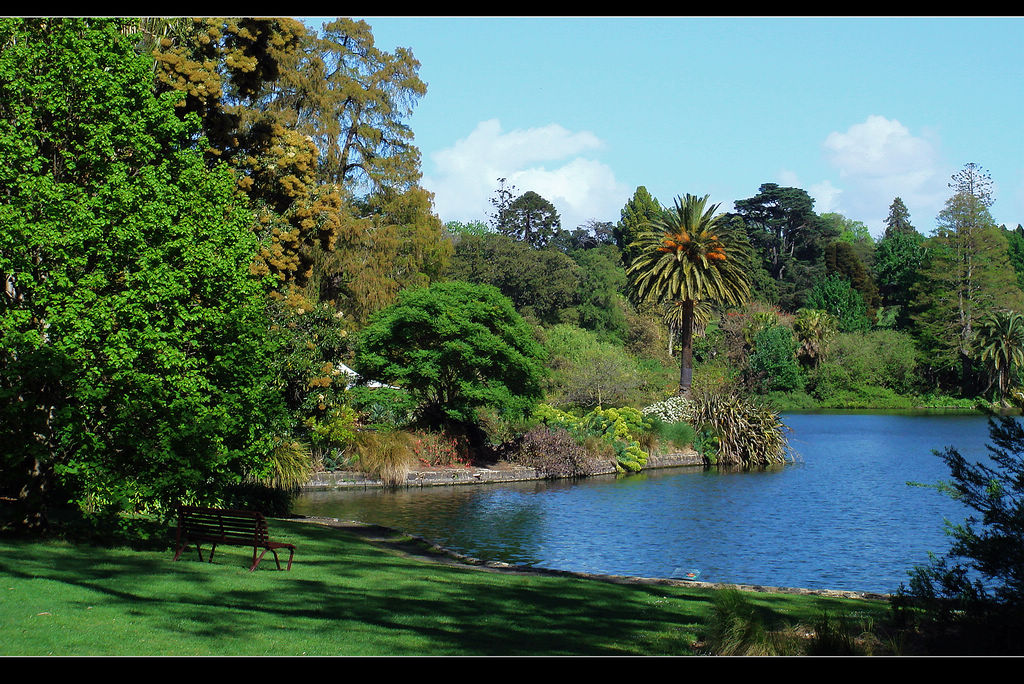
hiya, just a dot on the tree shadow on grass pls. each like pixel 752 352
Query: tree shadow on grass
pixel 345 596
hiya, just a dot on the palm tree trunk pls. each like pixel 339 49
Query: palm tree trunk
pixel 686 350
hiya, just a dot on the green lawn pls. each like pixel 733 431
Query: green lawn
pixel 343 596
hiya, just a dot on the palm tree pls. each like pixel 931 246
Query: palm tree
pixel 1001 339
pixel 814 328
pixel 690 256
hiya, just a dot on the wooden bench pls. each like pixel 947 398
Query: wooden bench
pixel 235 528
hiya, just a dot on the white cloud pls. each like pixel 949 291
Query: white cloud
pixel 465 174
pixel 879 160
pixel 826 197
pixel 824 194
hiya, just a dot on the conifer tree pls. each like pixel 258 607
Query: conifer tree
pixel 636 216
pixel 966 276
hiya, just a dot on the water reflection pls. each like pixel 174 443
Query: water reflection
pixel 841 517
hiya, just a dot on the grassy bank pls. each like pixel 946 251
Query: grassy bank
pixel 345 595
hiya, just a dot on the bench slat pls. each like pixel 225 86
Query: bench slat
pixel 228 527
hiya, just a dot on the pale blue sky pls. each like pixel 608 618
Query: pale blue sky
pixel 583 110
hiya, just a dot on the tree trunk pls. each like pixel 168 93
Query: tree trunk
pixel 686 350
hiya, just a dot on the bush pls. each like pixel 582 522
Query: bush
pixel 554 453
pixel 455 347
pixel 618 427
pixel 670 410
pixel 440 449
pixel 773 364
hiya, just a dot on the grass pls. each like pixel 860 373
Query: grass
pixel 348 593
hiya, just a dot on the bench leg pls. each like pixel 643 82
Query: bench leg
pixel 255 560
pixel 213 547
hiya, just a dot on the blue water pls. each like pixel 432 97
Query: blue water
pixel 841 517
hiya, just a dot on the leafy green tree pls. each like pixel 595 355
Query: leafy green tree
pixel 388 242
pixel 601 305
pixel 137 372
pixel 1015 251
pixel 636 217
pixel 1001 341
pixel 543 284
pixel 851 232
pixel 587 372
pixel 690 257
pixel 531 219
pixel 839 298
pixel 841 259
pixel 591 235
pixel 456 347
pixel 456 229
pixel 898 259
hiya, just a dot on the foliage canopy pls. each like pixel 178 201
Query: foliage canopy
pixel 455 347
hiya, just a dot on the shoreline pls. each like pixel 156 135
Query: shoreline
pixel 420 547
pixel 468 475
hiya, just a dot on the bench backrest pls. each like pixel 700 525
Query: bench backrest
pixel 240 527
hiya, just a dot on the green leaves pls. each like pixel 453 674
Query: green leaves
pixel 455 347
pixel 133 338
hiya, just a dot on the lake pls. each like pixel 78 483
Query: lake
pixel 841 517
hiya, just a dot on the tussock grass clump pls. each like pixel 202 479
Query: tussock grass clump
pixel 388 456
pixel 738 628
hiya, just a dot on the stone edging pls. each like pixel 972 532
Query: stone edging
pixel 461 560
pixel 344 479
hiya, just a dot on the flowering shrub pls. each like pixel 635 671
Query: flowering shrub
pixel 440 449
pixel 672 410
pixel 619 427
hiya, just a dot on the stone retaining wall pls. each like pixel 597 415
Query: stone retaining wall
pixel 343 479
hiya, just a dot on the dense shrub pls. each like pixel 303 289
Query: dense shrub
pixel 586 372
pixel 554 453
pixel 773 364
pixel 671 410
pixel 455 347
pixel 618 427
pixel 859 364
pixel 440 449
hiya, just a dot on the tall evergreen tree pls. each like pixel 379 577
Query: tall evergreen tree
pixel 783 228
pixel 898 221
pixel 636 216
pixel 966 276
pixel 532 219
